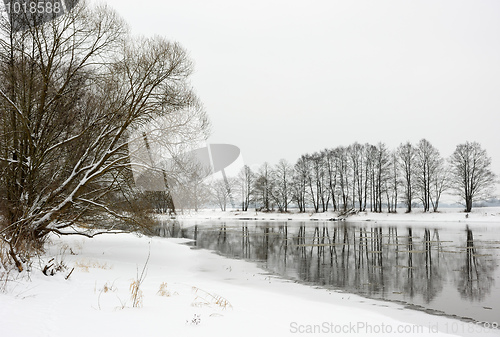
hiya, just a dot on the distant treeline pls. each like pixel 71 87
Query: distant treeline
pixel 363 177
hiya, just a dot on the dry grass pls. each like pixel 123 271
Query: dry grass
pixel 136 293
pixel 85 265
pixel 204 298
pixel 135 287
pixel 8 272
pixel 4 259
pixel 4 267
pixel 4 279
pixel 106 288
pixel 163 291
pixel 65 249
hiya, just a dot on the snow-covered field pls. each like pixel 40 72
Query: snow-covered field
pixel 189 293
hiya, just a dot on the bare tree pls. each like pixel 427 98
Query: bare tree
pixel 281 186
pixel 188 184
pixel 262 186
pixel 406 155
pixel 392 183
pixel 368 164
pixel 300 181
pixel 379 163
pixel 440 182
pixel 72 92
pixel 371 154
pixel 221 193
pixel 323 182
pixel 331 167
pixel 428 159
pixel 344 176
pixel 357 154
pixel 246 179
pixel 472 178
pixel 317 181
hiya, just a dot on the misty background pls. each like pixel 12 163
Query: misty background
pixel 284 78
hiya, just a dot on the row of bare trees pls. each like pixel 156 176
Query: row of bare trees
pixel 367 177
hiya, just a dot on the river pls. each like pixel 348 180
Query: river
pixel 450 270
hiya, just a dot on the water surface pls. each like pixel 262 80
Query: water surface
pixel 452 270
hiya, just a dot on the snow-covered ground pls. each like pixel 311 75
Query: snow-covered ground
pixel 478 215
pixel 189 293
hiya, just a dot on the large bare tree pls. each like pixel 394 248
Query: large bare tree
pixel 472 178
pixel 72 93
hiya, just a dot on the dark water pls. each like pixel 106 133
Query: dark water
pixel 449 270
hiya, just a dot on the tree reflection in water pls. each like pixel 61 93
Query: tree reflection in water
pixel 393 262
pixel 476 277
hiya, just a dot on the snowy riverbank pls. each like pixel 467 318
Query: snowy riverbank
pixel 478 215
pixel 205 295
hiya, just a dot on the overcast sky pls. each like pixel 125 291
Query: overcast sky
pixel 284 78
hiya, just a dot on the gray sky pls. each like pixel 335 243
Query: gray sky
pixel 283 78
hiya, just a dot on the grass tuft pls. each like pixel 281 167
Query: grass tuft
pixel 135 287
pixel 136 293
pixel 204 298
pixel 84 265
pixel 163 291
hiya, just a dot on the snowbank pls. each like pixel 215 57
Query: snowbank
pixel 190 292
